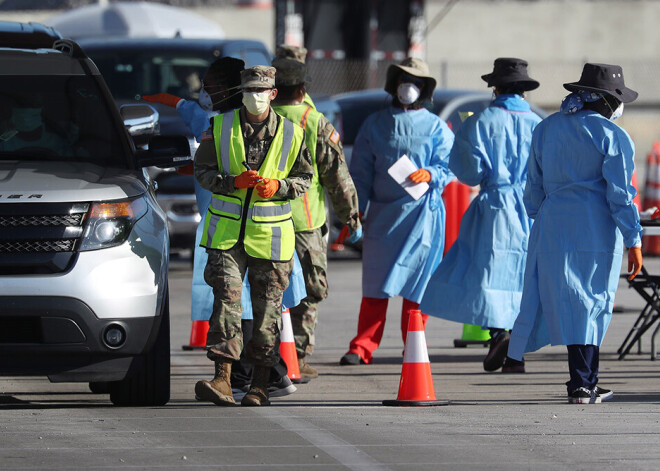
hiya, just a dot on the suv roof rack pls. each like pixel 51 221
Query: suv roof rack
pixel 69 47
pixel 27 35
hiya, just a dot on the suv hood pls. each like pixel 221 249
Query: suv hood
pixel 55 182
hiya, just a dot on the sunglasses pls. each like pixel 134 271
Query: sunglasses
pixel 407 78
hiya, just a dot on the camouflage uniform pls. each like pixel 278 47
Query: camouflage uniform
pixel 225 269
pixel 311 245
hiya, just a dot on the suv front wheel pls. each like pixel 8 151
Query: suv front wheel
pixel 151 385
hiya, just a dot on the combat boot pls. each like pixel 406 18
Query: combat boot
pixel 307 371
pixel 218 390
pixel 258 393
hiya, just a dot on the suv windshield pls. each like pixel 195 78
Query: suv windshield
pixel 130 75
pixel 57 117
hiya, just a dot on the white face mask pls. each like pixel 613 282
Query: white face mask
pixel 26 119
pixel 205 100
pixel 408 93
pixel 617 113
pixel 255 102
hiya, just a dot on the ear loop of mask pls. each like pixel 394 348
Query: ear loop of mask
pixel 608 104
pixel 224 90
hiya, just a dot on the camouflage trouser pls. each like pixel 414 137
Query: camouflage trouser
pixel 224 272
pixel 311 249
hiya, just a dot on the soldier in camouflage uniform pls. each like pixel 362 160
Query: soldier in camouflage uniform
pixel 331 174
pixel 285 51
pixel 232 251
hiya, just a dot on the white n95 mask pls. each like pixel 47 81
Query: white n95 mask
pixel 408 93
pixel 256 102
pixel 205 100
pixel 617 113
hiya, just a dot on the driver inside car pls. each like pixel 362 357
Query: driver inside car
pixel 26 129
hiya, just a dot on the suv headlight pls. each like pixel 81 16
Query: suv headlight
pixel 109 224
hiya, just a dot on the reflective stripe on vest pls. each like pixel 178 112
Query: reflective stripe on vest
pixel 265 224
pixel 309 209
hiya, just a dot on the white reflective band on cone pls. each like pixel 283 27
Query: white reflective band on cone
pixel 415 351
pixel 287 329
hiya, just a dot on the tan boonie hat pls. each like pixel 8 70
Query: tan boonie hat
pixel 289 72
pixel 259 76
pixel 284 51
pixel 412 66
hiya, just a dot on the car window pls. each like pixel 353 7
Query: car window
pixel 57 117
pixel 355 111
pixel 251 56
pixel 130 75
pixel 455 114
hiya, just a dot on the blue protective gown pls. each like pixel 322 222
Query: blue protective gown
pixel 201 301
pixel 480 280
pixel 403 238
pixel 580 195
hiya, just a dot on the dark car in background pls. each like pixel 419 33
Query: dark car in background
pixel 133 67
pixel 347 111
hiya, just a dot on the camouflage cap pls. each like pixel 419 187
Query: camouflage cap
pixel 290 72
pixel 285 51
pixel 259 76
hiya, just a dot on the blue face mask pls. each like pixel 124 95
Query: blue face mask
pixel 26 119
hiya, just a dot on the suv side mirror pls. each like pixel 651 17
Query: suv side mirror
pixel 141 121
pixel 165 152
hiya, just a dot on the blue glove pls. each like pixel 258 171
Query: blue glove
pixel 355 236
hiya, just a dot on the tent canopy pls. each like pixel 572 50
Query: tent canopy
pixel 133 19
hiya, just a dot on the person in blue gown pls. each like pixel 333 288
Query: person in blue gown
pixel 580 195
pixel 480 280
pixel 403 237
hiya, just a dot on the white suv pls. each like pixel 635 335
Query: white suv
pixel 83 243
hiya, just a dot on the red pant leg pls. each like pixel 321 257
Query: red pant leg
pixel 371 324
pixel 406 309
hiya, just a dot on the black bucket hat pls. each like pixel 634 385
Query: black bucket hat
pixel 603 78
pixel 509 70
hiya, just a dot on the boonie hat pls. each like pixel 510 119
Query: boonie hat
pixel 412 66
pixel 509 70
pixel 286 51
pixel 259 76
pixel 603 78
pixel 289 72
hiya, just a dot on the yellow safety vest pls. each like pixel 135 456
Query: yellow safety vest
pixel 264 225
pixel 308 209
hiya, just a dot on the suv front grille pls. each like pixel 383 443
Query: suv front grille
pixel 48 220
pixel 39 237
pixel 62 245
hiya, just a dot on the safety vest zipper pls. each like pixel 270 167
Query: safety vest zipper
pixel 246 206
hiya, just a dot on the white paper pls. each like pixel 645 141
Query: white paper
pixel 400 171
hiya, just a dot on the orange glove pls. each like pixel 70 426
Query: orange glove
pixel 419 176
pixel 247 179
pixel 163 98
pixel 268 187
pixel 634 261
pixel 188 169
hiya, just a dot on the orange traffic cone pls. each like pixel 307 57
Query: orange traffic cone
pixel 198 333
pixel 288 350
pixel 651 244
pixel 416 385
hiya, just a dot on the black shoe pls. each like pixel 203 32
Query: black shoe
pixel 513 366
pixel 499 346
pixel 280 388
pixel 603 394
pixel 582 396
pixel 351 359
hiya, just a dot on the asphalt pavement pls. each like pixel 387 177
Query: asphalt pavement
pixel 337 422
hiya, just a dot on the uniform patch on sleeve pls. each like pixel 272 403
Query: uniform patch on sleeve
pixel 334 137
pixel 207 135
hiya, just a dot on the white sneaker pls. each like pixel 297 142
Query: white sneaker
pixel 283 387
pixel 602 394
